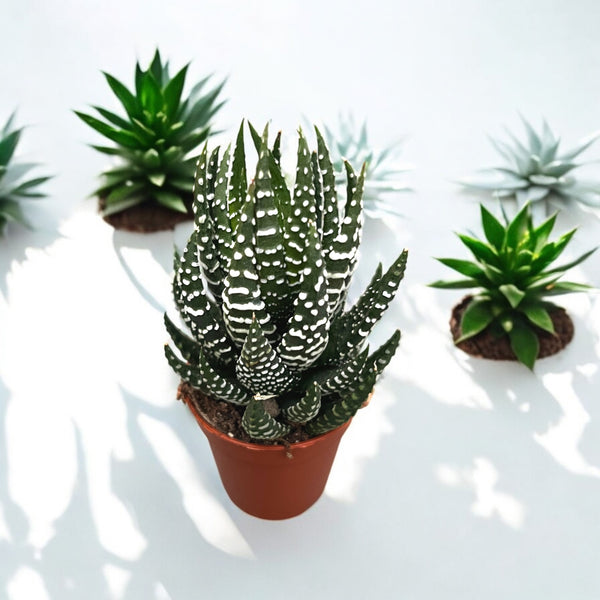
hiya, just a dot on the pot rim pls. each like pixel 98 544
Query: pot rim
pixel 260 447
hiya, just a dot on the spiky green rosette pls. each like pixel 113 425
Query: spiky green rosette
pixel 536 171
pixel 384 169
pixel 262 286
pixel 512 277
pixel 14 185
pixel 154 139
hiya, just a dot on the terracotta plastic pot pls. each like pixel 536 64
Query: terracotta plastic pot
pixel 273 482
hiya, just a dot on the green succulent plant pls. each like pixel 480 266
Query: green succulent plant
pixel 15 186
pixel 537 171
pixel 512 278
pixel 384 169
pixel 262 286
pixel 154 139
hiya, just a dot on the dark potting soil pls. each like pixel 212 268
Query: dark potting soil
pixel 485 345
pixel 227 418
pixel 145 218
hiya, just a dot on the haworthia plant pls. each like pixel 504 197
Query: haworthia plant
pixel 261 286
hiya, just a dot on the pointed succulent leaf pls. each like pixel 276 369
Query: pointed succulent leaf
pixel 340 261
pixel 459 284
pixel 381 358
pixel 350 334
pixel 187 346
pixel 260 425
pixel 512 293
pixel 199 314
pixel 584 144
pixel 205 227
pixel 242 300
pixel 377 361
pixel 237 183
pixel 121 204
pixel 477 316
pixel 305 408
pixel 256 138
pixel 319 200
pixel 270 252
pixel 330 227
pixel 539 316
pixel 338 413
pixel 301 211
pixel 464 267
pixel 537 193
pixel 260 368
pixel 493 229
pixel 276 151
pixel 127 99
pixel 480 250
pixel 220 211
pixel 524 343
pixel 566 287
pixel 542 232
pixel 349 321
pixel 571 264
pixel 340 378
pixel 489 181
pixel 173 91
pixel 204 377
pixel 535 143
pixel 308 328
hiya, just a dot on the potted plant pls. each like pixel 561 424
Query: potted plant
pixel 15 186
pixel 149 188
pixel 275 365
pixel 509 316
pixel 536 171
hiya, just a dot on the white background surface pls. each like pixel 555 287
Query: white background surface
pixel 463 479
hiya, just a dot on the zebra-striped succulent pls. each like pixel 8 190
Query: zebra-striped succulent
pixel 262 284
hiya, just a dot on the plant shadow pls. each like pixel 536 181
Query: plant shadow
pixel 147 261
pixel 18 241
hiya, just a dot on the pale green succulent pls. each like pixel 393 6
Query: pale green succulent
pixel 536 171
pixel 384 169
pixel 14 185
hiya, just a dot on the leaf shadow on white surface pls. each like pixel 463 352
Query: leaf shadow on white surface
pixel 473 503
pixel 147 260
pixel 176 507
pixel 173 492
pixel 17 242
pixel 70 565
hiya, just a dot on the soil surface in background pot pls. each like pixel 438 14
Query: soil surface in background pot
pixel 227 417
pixel 147 217
pixel 485 345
